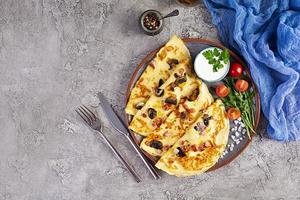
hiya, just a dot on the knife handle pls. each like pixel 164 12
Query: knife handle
pixel 144 159
pixel 121 159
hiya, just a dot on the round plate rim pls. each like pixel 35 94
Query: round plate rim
pixel 207 42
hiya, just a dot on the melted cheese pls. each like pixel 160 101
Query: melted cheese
pixel 157 69
pixel 202 149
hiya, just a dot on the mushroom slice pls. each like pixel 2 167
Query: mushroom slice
pixel 194 95
pixel 171 100
pixel 156 144
pixel 152 113
pixel 139 105
pixel 158 92
pixel 172 62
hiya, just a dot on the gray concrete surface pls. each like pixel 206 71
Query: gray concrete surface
pixel 55 55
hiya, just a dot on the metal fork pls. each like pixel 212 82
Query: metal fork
pixel 94 122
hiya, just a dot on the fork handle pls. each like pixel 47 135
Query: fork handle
pixel 121 159
pixel 144 159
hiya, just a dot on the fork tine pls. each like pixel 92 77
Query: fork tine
pixel 88 110
pixel 82 116
pixel 87 115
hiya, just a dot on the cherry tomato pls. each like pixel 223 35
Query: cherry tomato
pixel 241 85
pixel 236 70
pixel 222 90
pixel 233 113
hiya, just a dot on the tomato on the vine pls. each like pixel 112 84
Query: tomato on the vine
pixel 236 70
pixel 241 85
pixel 222 90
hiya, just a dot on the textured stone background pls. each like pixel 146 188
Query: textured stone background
pixel 55 55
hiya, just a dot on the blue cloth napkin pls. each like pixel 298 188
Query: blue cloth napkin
pixel 267 34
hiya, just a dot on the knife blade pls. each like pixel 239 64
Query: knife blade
pixel 119 126
pixel 112 116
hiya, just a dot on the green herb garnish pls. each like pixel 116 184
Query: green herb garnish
pixel 243 101
pixel 215 57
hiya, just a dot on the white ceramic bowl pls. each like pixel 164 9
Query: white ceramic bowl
pixel 204 70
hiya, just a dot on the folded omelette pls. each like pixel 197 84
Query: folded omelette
pixel 201 146
pixel 157 72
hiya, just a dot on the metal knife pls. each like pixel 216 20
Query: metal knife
pixel 120 127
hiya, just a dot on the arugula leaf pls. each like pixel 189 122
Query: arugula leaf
pixel 242 101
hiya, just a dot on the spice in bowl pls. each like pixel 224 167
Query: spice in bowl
pixel 151 22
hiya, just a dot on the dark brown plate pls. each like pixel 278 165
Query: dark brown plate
pixel 195 45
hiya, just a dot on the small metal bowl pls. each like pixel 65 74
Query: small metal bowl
pixel 145 29
pixel 188 3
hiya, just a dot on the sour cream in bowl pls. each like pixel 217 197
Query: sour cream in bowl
pixel 212 64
